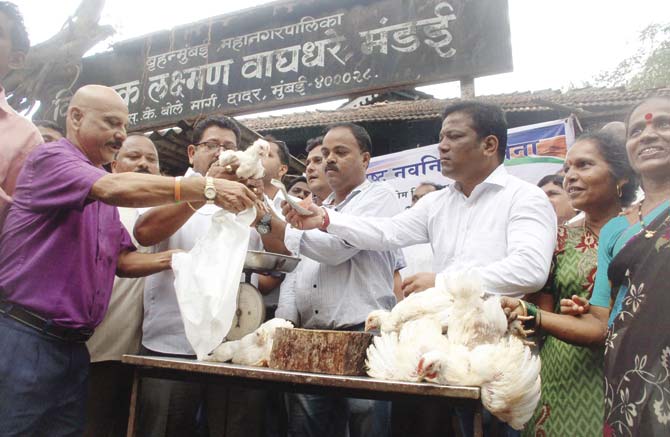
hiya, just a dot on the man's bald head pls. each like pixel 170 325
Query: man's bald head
pixel 138 154
pixel 96 122
pixel 615 128
pixel 97 96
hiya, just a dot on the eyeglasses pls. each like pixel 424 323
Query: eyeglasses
pixel 214 145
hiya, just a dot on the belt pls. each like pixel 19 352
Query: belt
pixel 43 325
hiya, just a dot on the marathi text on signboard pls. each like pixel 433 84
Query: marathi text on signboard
pixel 292 52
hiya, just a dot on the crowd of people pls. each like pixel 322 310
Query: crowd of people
pixel 581 257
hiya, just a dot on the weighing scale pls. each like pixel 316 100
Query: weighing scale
pixel 250 312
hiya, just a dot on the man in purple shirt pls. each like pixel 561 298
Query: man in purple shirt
pixel 61 244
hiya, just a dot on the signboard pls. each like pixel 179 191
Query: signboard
pixel 533 152
pixel 292 52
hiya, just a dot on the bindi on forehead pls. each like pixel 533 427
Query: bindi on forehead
pixel 648 117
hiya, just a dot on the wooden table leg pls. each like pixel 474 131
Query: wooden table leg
pixel 132 415
pixel 478 427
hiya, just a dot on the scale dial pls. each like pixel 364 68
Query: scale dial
pixel 250 312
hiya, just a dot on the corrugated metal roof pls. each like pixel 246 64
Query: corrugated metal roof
pixel 585 99
pixel 172 143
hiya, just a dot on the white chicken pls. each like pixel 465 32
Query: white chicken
pixel 479 348
pixel 250 159
pixel 512 388
pixel 253 349
pixel 395 356
pixel 431 302
pixel 451 365
pixel 483 352
pixel 507 373
pixel 473 319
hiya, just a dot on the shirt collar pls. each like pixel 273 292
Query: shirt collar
pixel 190 172
pixel 331 197
pixel 278 196
pixel 76 150
pixel 498 177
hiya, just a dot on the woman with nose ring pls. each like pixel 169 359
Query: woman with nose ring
pixel 633 274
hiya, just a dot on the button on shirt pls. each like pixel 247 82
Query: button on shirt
pixel 59 249
pixel 506 227
pixel 18 137
pixel 337 285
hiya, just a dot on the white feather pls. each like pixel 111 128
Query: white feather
pixel 250 160
pixel 253 349
pixel 430 302
pixel 395 356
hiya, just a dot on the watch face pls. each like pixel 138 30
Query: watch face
pixel 263 229
pixel 210 193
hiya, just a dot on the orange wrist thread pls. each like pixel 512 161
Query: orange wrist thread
pixel 177 189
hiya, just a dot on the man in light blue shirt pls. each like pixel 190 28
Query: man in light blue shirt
pixel 337 285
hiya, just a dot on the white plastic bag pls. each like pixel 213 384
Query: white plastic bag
pixel 207 279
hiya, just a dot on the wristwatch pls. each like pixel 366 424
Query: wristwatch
pixel 210 190
pixel 264 227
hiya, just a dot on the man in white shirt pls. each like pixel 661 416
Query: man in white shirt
pixel 318 185
pixel 488 217
pixel 336 285
pixel 502 224
pixel 314 171
pixel 419 257
pixel 170 407
pixel 275 166
pixel 120 332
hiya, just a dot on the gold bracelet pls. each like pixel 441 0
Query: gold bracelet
pixel 191 206
pixel 525 308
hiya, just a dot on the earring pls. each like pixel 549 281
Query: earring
pixel 619 192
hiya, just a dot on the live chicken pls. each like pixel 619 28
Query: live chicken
pixel 478 349
pixel 253 349
pixel 250 159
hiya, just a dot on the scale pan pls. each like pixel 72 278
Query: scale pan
pixel 266 261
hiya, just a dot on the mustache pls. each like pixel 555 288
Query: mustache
pixel 116 144
pixel 331 167
pixel 142 170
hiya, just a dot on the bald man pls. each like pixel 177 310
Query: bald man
pixel 60 248
pixel 138 155
pixel 616 128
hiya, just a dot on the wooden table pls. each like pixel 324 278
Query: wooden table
pixel 300 382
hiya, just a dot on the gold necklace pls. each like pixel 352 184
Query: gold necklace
pixel 647 233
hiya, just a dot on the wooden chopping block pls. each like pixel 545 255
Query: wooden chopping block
pixel 320 351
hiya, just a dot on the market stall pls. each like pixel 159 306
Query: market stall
pixel 289 381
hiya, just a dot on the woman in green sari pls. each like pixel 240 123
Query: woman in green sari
pixel 632 280
pixel 599 182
